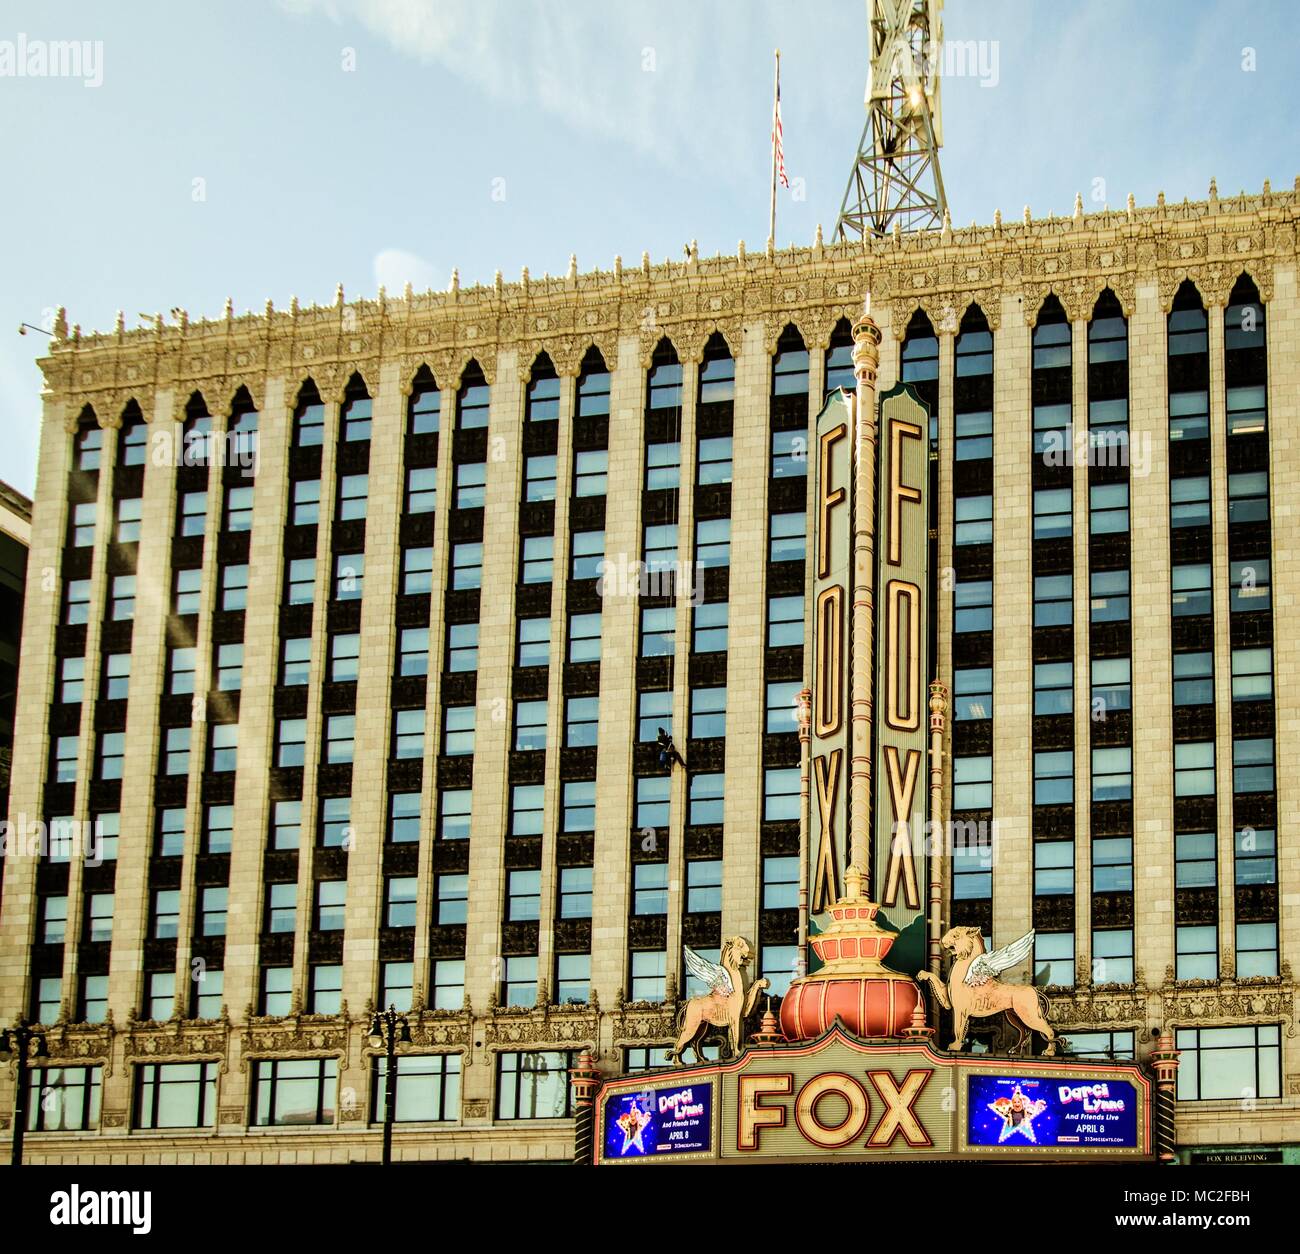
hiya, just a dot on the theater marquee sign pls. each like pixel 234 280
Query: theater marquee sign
pixel 842 1099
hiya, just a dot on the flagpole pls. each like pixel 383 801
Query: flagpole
pixel 776 96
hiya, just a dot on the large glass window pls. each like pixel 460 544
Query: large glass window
pixel 426 1087
pixel 784 622
pixel 710 622
pixel 1196 952
pixel 534 642
pixel 534 1084
pixel 1193 679
pixel 1112 774
pixel 1194 769
pixel 1109 597
pixel 1229 1064
pixel 1053 868
pixel 1112 864
pixel 294 1091
pixel 1252 765
pixel 1053 687
pixel 1053 777
pixel 176 1095
pixel 1053 600
pixel 64 1099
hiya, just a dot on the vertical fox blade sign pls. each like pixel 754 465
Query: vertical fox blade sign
pixel 899 878
pixel 832 561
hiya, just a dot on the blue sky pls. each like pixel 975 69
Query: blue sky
pixel 615 127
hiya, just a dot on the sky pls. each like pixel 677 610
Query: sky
pixel 272 148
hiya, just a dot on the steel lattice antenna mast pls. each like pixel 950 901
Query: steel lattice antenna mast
pixel 895 179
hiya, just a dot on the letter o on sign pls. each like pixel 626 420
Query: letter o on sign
pixel 831 1136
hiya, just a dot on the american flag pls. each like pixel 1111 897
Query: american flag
pixel 776 138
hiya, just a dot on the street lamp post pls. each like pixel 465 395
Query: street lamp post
pixel 20 1040
pixel 388 1030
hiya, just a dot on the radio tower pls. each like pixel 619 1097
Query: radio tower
pixel 895 178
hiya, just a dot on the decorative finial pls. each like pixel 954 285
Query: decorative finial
pixel 269 308
pixel 740 248
pixel 573 265
pixel 119 324
pixel 496 282
pixel 1268 186
pixel 60 327
pixel 769 1031
pixel 1160 199
pixel 183 319
pixel 997 219
pixel 293 305
pixel 407 291
pixel 454 285
pixel 1027 216
pixel 338 296
pixel 229 311
pixel 694 253
pixel 645 264
pixel 771 248
pixel 1078 205
pixel 947 221
pixel 618 265
pixel 1214 189
pixel 817 237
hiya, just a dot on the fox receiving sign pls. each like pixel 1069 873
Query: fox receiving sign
pixel 842 1099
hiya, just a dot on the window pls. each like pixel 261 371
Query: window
pixel 218 828
pixel 277 990
pixel 790 450
pixel 1112 865
pixel 713 542
pixel 166 913
pixel 301 584
pixel 705 800
pixel 422 490
pixel 1191 590
pixel 399 901
pixel 1189 416
pixel 973 605
pixel 784 621
pixel 526 809
pixel 209 985
pixel 1053 868
pixel 176 751
pixel 223 748
pixel 579 807
pixel 424 409
pixel 783 707
pixel 1194 855
pixel 1054 777
pixel 171 832
pixel 1189 501
pixel 454 805
pixel 112 754
pixel 408 733
pixel 340 737
pixel 1248 497
pixel 291 742
pixel 238 510
pixel 193 513
pixel 539 477
pixel 524 901
pixel 230 667
pixel 1053 596
pixel 426 1087
pixel 972 689
pixel 1256 950
pixel 1112 956
pixel 593 386
pixel 534 642
pixel 1053 431
pixel 704 886
pixel 413 651
pixel 1109 600
pixel 458 730
pixel 234 587
pixel 1256 856
pixel 520 980
pixel 1252 765
pixel 107 831
pixel 1194 769
pixel 1052 513
pixel 467 565
pixel 974 432
pixel 1107 334
pixel 76 603
pixel 658 627
pixel 1187 332
pixel 212 910
pixel 786 538
pixel 584 637
pixel 660 546
pixel 572 979
pixel 780 794
pixel 1053 687
pixel 471 485
pixel 130 511
pixel 1108 508
pixel 186 591
pixel 356 418
pixel 543 404
pixel 122 598
pixel 649 970
pixel 281 907
pixel 160 996
pixel 780 964
pixel 66 749
pixel 309 425
pixel 286 825
pixel 335 820
pixel 90 442
pixel 1249 585
pixel 452 894
pixel 1196 952
pixel 588 554
pixel 530 725
pixel 591 472
pixel 54 920
pixel 117 676
pixel 714 465
pixel 326 989
pixel 294 1092
pixel 462 646
pixel 397 984
pixel 331 905
pixel 1194 679
pixel 1247 410
pixel 1111 686
pixel 176 1095
pixel 534 1085
pixel 581 717
pixel 972 783
pixel 790 370
pixel 1054 959
pixel 306 502
pixel 717 380
pixel 974 520
pixel 65 1099
pixel 1229 1064
pixel 663 465
pixel 349 576
pixel 780 883
pixel 654 710
pixel 537 559
pixel 1112 774
pixel 354 491
pixel 665 386
pixel 417 572
pixel 652 801
pixel 575 892
pixel 710 628
pixel 404 817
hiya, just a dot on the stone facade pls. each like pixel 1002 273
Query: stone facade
pixel 1142 255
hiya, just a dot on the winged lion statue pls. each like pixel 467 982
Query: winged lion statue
pixel 727 1003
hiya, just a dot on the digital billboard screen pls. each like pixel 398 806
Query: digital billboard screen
pixel 1078 1113
pixel 657 1121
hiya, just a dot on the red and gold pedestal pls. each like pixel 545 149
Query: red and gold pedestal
pixel 852 985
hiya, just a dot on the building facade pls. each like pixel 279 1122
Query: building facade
pixel 345 687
